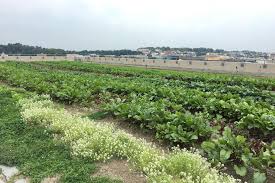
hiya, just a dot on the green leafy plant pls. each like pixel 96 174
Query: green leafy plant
pixel 102 142
pixel 180 107
pixel 227 148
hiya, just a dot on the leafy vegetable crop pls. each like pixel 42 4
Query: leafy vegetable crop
pixel 183 108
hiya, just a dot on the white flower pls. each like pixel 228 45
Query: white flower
pixel 102 142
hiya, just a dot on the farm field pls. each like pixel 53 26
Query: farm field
pixel 230 119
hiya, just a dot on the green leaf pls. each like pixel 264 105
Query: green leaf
pixel 240 139
pixel 267 153
pixel 259 177
pixel 227 134
pixel 208 146
pixel 225 155
pixel 245 159
pixel 194 137
pixel 240 170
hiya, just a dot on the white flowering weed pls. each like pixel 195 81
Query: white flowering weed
pixel 101 142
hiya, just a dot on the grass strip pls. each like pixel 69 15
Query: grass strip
pixel 34 151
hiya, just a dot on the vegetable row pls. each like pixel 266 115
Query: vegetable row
pixel 177 114
pixel 228 79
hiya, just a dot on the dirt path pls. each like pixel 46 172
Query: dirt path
pixel 115 169
pixel 128 127
pixel 121 170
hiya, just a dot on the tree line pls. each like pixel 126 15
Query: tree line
pixel 21 49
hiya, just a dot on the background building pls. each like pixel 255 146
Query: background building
pixel 216 57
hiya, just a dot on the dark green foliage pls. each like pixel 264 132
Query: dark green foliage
pixel 18 48
pixel 230 147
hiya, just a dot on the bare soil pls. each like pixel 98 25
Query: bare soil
pixel 115 169
pixel 137 132
pixel 120 169
pixel 128 127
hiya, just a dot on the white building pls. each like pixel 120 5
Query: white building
pixel 188 54
pixel 144 51
pixel 75 57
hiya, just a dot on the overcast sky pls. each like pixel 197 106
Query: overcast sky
pixel 117 24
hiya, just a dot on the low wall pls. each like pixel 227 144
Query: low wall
pixel 217 66
pixel 34 58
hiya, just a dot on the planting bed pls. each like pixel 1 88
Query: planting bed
pixel 229 118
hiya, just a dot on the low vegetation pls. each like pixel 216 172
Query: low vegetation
pixel 231 119
pixel 33 149
pixel 102 142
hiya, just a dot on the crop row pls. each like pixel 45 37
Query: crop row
pixel 225 79
pixel 241 91
pixel 177 114
pixel 101 142
pixel 79 88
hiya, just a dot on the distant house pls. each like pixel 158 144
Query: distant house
pixel 189 54
pixel 144 51
pixel 93 55
pixel 272 56
pixel 216 57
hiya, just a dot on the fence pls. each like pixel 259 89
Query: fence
pixel 216 66
pixel 34 58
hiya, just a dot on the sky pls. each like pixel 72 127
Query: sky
pixel 130 24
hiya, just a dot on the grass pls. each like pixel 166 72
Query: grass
pixel 35 152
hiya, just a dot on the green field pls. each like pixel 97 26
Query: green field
pixel 229 118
